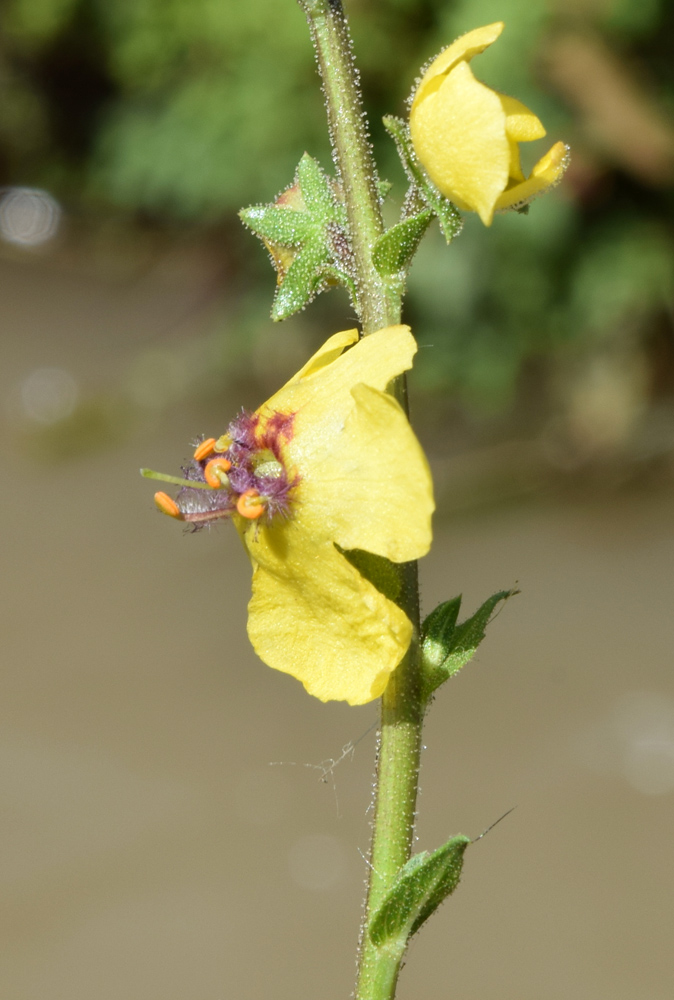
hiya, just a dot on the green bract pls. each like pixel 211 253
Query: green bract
pixel 393 252
pixel 422 885
pixel 446 646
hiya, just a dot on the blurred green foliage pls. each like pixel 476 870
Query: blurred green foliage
pixel 183 111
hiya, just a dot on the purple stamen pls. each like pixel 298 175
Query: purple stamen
pixel 249 439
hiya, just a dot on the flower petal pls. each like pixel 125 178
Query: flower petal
pixel 522 125
pixel 547 172
pixel 325 355
pixel 515 169
pixel 464 48
pixel 312 615
pixel 321 397
pixel 372 490
pixel 459 133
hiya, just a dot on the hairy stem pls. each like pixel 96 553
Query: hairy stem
pixel 397 786
pixel 379 304
pixel 378 298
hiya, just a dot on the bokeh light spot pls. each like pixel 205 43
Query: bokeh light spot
pixel 48 395
pixel 636 740
pixel 649 765
pixel 28 216
pixel 645 721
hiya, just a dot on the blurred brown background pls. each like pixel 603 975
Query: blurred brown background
pixel 171 824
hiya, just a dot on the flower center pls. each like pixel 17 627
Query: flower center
pixel 242 473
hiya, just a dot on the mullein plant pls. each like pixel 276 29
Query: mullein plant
pixel 326 482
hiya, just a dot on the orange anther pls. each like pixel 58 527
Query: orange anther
pixel 168 506
pixel 250 505
pixel 205 449
pixel 215 472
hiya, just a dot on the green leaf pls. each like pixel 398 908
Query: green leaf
pixel 422 885
pixel 394 250
pixel 448 215
pixel 445 646
pixel 306 233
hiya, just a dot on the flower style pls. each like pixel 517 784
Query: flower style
pixel 466 135
pixel 328 464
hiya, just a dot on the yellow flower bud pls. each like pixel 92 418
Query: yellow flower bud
pixel 466 135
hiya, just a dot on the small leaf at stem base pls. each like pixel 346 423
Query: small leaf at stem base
pixel 422 885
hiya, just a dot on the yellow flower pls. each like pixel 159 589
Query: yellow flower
pixel 329 463
pixel 466 135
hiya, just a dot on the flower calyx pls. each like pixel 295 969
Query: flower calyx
pixel 306 233
pixel 424 200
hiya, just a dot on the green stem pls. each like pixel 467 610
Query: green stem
pixel 379 303
pixel 378 298
pixel 402 714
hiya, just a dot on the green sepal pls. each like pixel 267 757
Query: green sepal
pixel 317 193
pixel 394 250
pixel 284 226
pixel 446 212
pixel 421 886
pixel 445 646
pixel 306 233
pixel 300 283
